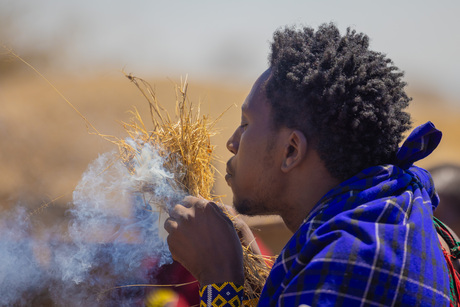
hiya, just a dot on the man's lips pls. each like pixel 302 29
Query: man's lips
pixel 229 172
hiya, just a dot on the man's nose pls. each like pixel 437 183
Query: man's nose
pixel 232 144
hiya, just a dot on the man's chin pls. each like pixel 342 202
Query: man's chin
pixel 242 207
pixel 248 208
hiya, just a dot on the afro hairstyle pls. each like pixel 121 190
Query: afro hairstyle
pixel 348 100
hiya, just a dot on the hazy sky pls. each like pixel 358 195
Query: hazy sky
pixel 228 41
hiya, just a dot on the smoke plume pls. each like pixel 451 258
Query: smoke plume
pixel 114 238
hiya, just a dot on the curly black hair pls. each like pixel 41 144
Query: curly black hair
pixel 348 100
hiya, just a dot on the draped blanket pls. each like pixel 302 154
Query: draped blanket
pixel 370 241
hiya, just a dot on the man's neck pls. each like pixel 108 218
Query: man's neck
pixel 305 190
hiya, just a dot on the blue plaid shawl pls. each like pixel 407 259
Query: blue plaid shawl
pixel 368 242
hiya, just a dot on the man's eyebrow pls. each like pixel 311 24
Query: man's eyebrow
pixel 244 109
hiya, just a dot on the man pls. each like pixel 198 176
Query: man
pixel 318 145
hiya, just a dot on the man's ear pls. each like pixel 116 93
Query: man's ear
pixel 295 150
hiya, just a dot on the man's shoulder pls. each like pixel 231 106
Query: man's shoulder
pixel 359 257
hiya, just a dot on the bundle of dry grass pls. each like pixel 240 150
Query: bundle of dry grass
pixel 184 143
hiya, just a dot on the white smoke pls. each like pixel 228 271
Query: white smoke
pixel 115 229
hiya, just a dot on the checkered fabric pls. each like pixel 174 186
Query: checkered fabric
pixel 453 253
pixel 370 241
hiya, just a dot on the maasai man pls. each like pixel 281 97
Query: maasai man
pixel 318 145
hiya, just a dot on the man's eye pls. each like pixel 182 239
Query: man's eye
pixel 243 126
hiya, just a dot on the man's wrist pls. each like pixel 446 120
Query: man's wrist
pixel 221 276
pixel 228 270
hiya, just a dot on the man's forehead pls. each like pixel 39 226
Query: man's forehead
pixel 257 92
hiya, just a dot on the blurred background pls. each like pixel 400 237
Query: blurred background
pixel 83 46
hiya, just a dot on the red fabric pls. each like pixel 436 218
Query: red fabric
pixel 175 273
pixel 454 275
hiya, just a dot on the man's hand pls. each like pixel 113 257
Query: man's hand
pixel 202 238
pixel 244 232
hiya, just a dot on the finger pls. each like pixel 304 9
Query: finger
pixel 190 201
pixel 170 224
pixel 222 213
pixel 216 206
pixel 228 209
pixel 178 211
